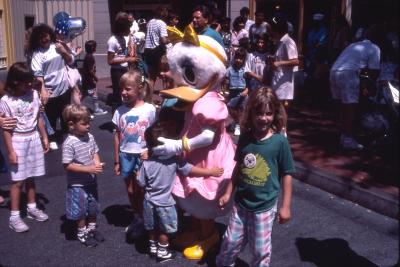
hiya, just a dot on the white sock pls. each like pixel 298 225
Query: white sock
pixel 32 206
pixel 91 226
pixel 14 213
pixel 81 231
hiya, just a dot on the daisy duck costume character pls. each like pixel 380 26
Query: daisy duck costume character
pixel 198 65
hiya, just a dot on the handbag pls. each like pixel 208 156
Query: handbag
pixel 74 77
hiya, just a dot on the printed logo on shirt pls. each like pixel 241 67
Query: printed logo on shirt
pixel 255 170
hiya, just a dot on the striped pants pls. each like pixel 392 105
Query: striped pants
pixel 245 226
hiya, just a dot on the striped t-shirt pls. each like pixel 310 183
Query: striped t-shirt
pixel 50 65
pixel 79 150
pixel 156 29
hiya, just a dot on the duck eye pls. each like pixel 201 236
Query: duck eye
pixel 189 76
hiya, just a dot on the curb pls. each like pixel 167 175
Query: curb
pixel 365 195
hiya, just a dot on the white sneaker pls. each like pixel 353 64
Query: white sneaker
pixel 37 215
pixel 237 130
pixel 100 111
pixel 53 146
pixel 17 224
pixel 350 143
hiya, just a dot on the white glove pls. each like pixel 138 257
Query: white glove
pixel 169 148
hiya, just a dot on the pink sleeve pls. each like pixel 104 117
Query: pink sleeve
pixel 210 110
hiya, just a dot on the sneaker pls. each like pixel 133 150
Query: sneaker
pixel 350 143
pixel 37 215
pixel 100 111
pixel 97 235
pixel 153 250
pixel 87 240
pixel 53 146
pixel 165 254
pixel 237 130
pixel 17 224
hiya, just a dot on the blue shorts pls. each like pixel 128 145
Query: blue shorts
pixel 129 164
pixel 163 219
pixel 82 202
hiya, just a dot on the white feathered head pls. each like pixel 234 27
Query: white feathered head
pixel 197 64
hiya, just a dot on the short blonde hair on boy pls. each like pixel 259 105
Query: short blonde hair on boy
pixel 76 113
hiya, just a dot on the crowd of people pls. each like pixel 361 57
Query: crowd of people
pixel 262 60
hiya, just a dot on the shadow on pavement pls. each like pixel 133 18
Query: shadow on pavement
pixel 118 215
pixel 330 253
pixel 68 228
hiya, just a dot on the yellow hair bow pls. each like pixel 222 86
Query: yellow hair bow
pixel 190 36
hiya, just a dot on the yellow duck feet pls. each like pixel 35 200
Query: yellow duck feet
pixel 197 252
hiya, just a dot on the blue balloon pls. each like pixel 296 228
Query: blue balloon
pixel 68 28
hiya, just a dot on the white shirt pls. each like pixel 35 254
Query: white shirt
pixel 50 65
pixel 249 22
pixel 24 108
pixel 283 77
pixel 357 56
pixel 255 63
pixel 132 123
pixel 118 46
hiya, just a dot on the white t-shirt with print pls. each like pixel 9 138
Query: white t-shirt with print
pixel 24 108
pixel 132 123
pixel 255 63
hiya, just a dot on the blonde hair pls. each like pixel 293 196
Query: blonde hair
pixel 262 100
pixel 136 79
pixel 76 113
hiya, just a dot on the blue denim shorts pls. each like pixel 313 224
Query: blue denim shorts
pixel 81 202
pixel 129 164
pixel 163 219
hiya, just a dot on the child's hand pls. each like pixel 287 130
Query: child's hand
pixel 223 201
pixel 284 215
pixel 132 59
pixel 60 48
pixel 45 143
pixel 12 157
pixel 117 168
pixel 144 155
pixel 217 172
pixel 96 168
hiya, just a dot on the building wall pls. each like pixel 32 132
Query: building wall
pixel 234 7
pixel 102 31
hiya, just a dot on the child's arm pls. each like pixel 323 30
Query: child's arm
pixel 92 169
pixel 43 133
pixel 255 76
pixel 200 172
pixel 284 211
pixel 288 63
pixel 224 199
pixel 117 168
pixel 12 156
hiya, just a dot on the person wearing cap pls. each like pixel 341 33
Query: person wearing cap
pixel 285 61
pixel 317 38
pixel 200 20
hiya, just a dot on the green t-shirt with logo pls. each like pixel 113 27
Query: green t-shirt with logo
pixel 262 164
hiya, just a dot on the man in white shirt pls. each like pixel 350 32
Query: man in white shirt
pixel 345 82
pixel 285 60
pixel 244 13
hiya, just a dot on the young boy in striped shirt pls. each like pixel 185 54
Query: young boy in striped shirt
pixel 82 162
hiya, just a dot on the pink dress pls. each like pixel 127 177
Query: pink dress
pixel 199 195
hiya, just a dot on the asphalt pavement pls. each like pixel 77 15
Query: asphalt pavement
pixel 325 230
